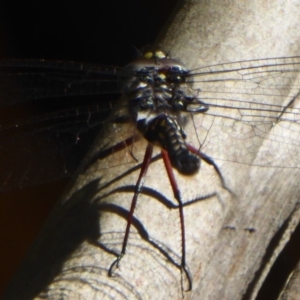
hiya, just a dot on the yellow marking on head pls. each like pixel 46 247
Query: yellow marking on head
pixel 157 54
pixel 148 55
pixel 160 54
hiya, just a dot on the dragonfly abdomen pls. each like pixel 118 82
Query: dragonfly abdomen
pixel 165 131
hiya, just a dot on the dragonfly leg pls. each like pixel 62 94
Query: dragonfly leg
pixel 177 196
pixel 138 189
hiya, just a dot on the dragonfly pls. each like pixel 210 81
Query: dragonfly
pixel 252 96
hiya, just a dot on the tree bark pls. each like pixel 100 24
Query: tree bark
pixel 291 289
pixel 229 233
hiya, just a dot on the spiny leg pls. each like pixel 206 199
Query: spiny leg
pixel 138 189
pixel 177 196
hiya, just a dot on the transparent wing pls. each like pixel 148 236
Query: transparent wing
pixel 252 105
pixel 46 139
pixel 25 80
pixel 254 108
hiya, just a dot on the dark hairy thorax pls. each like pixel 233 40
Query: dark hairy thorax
pixel 158 98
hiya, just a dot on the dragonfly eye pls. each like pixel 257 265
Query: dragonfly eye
pixel 154 55
pixel 148 55
pixel 160 54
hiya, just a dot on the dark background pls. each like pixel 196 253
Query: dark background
pixel 105 32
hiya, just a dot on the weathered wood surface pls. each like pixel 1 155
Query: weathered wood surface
pixel 291 290
pixel 72 256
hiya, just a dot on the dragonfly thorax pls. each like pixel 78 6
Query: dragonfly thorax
pixel 158 98
pixel 159 85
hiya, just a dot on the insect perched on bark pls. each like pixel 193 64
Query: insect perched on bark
pixel 241 97
pixel 158 95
